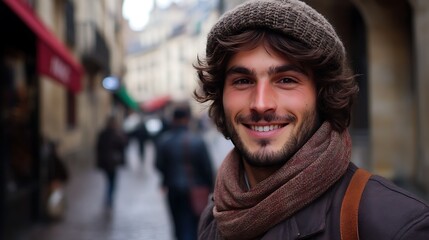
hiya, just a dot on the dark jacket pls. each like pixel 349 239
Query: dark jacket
pixel 175 150
pixel 386 212
pixel 110 149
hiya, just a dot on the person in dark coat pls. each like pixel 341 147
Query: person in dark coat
pixel 111 142
pixel 134 128
pixel 57 176
pixel 276 77
pixel 57 170
pixel 183 160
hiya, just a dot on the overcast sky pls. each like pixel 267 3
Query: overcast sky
pixel 137 11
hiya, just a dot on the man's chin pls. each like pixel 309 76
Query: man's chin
pixel 264 158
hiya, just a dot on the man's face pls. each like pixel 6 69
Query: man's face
pixel 270 106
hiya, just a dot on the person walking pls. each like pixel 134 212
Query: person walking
pixel 276 78
pixel 183 160
pixel 135 129
pixel 111 142
pixel 57 177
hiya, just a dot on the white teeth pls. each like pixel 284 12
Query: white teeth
pixel 265 128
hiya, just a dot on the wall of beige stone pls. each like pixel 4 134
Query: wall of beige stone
pixel 53 96
pixel 92 106
pixel 392 102
pixel 421 34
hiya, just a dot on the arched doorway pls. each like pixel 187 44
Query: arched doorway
pixel 378 38
pixel 350 27
pixel 391 86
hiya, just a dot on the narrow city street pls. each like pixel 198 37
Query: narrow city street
pixel 140 211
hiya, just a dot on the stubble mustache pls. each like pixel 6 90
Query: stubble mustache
pixel 267 117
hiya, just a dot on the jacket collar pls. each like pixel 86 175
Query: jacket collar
pixel 306 222
pixel 312 219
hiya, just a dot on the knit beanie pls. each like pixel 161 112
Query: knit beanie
pixel 290 17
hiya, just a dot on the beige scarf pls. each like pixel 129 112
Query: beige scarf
pixel 242 214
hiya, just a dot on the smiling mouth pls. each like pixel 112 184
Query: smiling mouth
pixel 266 128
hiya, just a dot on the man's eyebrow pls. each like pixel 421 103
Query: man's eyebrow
pixel 272 70
pixel 239 70
pixel 285 68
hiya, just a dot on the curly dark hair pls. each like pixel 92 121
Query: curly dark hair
pixel 335 83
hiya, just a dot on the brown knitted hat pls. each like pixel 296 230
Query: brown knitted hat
pixel 290 17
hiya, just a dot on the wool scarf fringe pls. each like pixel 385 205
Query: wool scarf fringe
pixel 242 214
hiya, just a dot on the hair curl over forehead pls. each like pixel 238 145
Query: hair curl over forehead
pixel 336 86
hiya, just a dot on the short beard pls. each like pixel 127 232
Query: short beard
pixel 265 159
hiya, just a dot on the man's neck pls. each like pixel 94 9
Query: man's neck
pixel 257 174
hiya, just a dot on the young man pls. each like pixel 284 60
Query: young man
pixel 276 75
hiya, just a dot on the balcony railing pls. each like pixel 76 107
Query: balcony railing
pixel 93 48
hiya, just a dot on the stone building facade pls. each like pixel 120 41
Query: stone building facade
pixel 53 56
pixel 159 62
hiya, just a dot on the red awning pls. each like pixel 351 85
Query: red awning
pixel 53 58
pixel 155 103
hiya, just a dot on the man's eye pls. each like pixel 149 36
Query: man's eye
pixel 287 80
pixel 241 81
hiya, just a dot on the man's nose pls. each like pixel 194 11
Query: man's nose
pixel 263 98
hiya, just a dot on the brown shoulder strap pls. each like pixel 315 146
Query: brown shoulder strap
pixel 350 206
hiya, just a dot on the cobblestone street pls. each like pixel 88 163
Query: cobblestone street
pixel 140 211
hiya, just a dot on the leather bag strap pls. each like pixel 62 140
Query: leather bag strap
pixel 350 206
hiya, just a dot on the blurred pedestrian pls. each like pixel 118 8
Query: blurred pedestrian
pixel 57 176
pixel 276 75
pixel 183 161
pixel 141 136
pixel 135 129
pixel 111 142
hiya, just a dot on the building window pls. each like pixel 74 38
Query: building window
pixel 71 110
pixel 70 34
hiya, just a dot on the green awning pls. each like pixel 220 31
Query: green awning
pixel 123 95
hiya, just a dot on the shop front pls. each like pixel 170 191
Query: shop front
pixel 28 50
